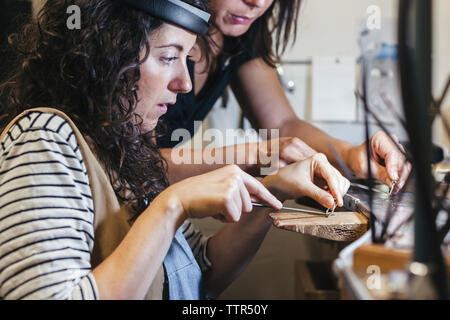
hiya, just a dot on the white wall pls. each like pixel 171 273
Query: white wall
pixel 442 65
pixel 329 28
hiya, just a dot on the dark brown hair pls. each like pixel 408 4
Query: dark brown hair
pixel 91 74
pixel 270 35
pixel 279 21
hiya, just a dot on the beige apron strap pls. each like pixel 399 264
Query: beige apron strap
pixel 110 218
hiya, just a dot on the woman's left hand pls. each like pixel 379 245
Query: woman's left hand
pixel 388 164
pixel 314 177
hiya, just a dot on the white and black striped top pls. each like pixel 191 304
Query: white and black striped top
pixel 47 214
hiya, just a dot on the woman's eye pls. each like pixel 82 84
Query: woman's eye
pixel 169 60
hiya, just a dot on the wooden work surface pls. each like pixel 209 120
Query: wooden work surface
pixel 343 226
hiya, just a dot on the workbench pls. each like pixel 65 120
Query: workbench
pixel 362 259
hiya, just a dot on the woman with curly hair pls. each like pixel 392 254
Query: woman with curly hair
pixel 86 210
pixel 245 42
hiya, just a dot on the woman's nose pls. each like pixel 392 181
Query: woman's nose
pixel 182 83
pixel 255 3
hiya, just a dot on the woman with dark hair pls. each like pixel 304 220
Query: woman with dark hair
pixel 245 42
pixel 86 210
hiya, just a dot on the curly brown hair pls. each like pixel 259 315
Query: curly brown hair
pixel 91 74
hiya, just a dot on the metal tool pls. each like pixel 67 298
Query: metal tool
pixel 354 204
pixel 392 187
pixel 361 186
pixel 331 212
pixel 294 209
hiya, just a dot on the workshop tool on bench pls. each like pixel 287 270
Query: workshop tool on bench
pixel 392 187
pixel 331 212
pixel 361 186
pixel 327 214
pixel 354 204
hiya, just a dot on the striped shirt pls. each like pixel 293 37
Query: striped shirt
pixel 47 214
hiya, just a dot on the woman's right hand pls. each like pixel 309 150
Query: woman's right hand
pixel 224 194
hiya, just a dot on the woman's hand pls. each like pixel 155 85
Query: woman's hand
pixel 290 150
pixel 388 164
pixel 314 177
pixel 278 153
pixel 224 194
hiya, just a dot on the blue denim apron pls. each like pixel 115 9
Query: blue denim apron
pixel 183 272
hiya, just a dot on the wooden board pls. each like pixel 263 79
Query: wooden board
pixel 343 226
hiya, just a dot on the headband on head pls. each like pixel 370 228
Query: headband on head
pixel 177 12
